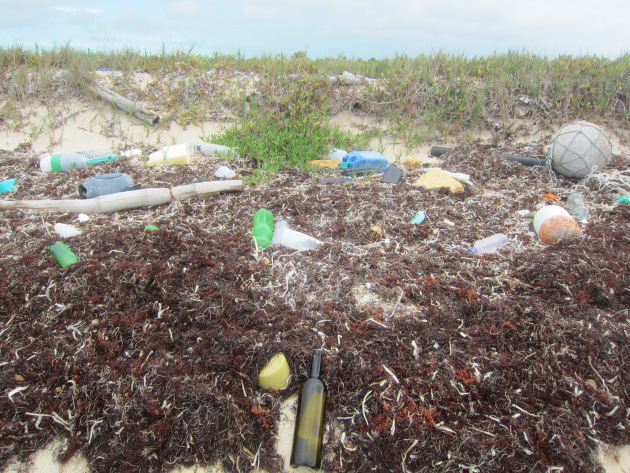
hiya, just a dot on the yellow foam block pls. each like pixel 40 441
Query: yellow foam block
pixel 324 163
pixel 275 374
pixel 435 179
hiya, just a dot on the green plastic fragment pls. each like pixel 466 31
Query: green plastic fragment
pixel 625 199
pixel 63 254
pixel 151 228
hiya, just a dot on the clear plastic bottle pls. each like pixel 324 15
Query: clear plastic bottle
pixel 489 244
pixel 212 149
pixel 577 207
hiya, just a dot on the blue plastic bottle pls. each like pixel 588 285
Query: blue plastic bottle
pixel 365 159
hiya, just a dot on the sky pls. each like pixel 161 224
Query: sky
pixel 323 28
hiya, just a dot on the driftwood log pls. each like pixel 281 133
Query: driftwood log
pixel 127 105
pixel 126 200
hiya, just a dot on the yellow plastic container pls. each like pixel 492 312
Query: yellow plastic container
pixel 174 154
pixel 275 374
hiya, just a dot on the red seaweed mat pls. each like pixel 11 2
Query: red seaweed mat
pixel 144 354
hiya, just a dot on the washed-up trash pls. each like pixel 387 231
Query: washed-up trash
pixel 174 154
pixel 275 374
pixel 224 171
pixel 105 184
pixel 577 148
pixel 82 218
pixel 419 218
pixel 222 151
pixel 489 244
pixel 7 186
pixel 63 254
pixel 437 178
pixel 578 207
pixel 624 199
pixel 337 154
pixel 69 161
pixel 295 240
pixel 263 228
pixel 151 228
pixel 553 223
pixel 365 159
pixel 61 162
pixel 438 151
pixel 460 176
pixel 309 423
pixel 393 174
pixel 525 160
pixel 324 163
pixel 66 231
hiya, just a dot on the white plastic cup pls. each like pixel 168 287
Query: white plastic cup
pixel 174 154
pixel 553 223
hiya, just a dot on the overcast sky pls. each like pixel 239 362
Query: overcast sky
pixel 323 28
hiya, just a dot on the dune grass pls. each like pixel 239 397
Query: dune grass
pixel 281 103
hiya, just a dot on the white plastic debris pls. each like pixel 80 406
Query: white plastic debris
pixel 82 218
pixel 224 171
pixel 283 235
pixel 66 231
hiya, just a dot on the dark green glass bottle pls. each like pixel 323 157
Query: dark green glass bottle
pixel 309 423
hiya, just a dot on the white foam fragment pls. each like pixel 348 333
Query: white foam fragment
pixel 66 231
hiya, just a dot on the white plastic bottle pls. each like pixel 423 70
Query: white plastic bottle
pixel 212 149
pixel 489 244
pixel 61 162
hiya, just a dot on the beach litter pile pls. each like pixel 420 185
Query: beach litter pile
pixel 147 351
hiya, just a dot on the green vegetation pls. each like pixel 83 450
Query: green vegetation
pixel 280 105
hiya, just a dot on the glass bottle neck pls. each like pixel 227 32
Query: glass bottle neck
pixel 317 363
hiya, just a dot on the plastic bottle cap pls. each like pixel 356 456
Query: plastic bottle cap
pixel 44 163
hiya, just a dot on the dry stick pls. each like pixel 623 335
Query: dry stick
pixel 127 105
pixel 126 200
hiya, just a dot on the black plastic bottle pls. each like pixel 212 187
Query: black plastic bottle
pixel 309 423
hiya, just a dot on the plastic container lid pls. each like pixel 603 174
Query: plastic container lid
pixel 44 162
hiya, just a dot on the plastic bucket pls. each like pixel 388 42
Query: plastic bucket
pixel 175 154
pixel 104 184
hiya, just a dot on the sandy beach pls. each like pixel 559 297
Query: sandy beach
pixel 86 128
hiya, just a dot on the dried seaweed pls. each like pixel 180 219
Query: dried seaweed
pixel 144 354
